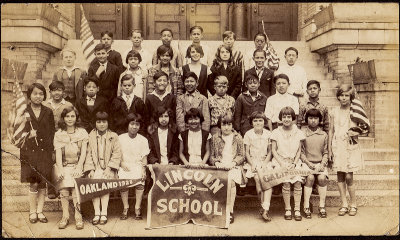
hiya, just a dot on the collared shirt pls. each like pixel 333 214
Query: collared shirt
pixel 161 97
pixel 105 65
pixel 301 121
pixel 219 105
pixel 162 137
pixel 252 97
pixel 297 77
pixel 276 102
pixel 90 100
pixel 316 145
pixel 259 72
pixel 190 96
pixel 128 99
pixel 257 143
pixel 69 71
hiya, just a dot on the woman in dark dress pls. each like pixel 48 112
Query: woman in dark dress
pixel 35 154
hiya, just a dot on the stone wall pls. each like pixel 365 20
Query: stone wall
pixel 67 20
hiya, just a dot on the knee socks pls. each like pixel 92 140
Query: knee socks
pixel 76 205
pixel 139 196
pixel 64 195
pixel 233 196
pixel 33 201
pixel 266 200
pixel 307 195
pixel 286 196
pixel 297 196
pixel 322 195
pixel 104 204
pixel 124 198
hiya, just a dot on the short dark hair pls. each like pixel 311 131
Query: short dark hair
pixel 99 47
pixel 287 111
pixel 251 77
pixel 227 117
pixel 134 117
pixel 196 27
pixel 110 34
pixel 161 110
pixel 38 86
pixel 133 53
pixel 345 88
pixel 159 74
pixel 257 114
pixel 56 85
pixel 198 49
pixel 161 50
pixel 228 34
pixel 282 75
pixel 260 34
pixel 101 115
pixel 313 112
pixel 92 79
pixel 259 50
pixel 190 74
pixel 311 82
pixel 137 31
pixel 193 113
pixel 128 77
pixel 292 49
pixel 167 29
pixel 61 123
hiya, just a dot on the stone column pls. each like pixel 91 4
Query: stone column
pixel 239 21
pixel 135 17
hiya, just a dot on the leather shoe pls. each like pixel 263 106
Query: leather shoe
pixel 266 216
pixel 42 218
pixel 63 223
pixel 103 220
pixel 297 215
pixel 124 214
pixel 288 215
pixel 33 219
pixel 96 220
pixel 78 224
pixel 138 214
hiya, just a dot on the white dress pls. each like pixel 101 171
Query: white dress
pixel 133 151
pixel 346 157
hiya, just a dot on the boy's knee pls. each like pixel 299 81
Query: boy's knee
pixel 286 185
pixel 349 179
pixel 297 185
pixel 310 180
pixel 341 176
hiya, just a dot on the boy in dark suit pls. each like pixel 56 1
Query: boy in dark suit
pixel 265 75
pixel 106 73
pixel 89 105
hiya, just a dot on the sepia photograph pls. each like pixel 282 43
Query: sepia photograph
pixel 208 119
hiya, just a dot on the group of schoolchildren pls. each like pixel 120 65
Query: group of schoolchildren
pixel 115 120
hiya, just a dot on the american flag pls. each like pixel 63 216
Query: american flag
pixel 17 120
pixel 87 39
pixel 358 115
pixel 272 56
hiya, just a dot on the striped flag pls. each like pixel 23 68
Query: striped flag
pixel 87 39
pixel 272 56
pixel 17 120
pixel 358 115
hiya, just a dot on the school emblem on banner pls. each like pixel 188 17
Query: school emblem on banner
pixel 180 193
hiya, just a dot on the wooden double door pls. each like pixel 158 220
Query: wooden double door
pixel 280 19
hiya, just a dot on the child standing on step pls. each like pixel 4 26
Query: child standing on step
pixel 315 156
pixel 166 36
pixel 114 57
pixel 286 148
pixel 257 146
pixel 70 144
pixel 71 76
pixel 196 35
pixel 343 147
pixel 35 154
pixel 227 151
pixel 137 39
pixel 135 149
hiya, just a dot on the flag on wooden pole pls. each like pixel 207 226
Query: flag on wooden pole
pixel 87 39
pixel 17 119
pixel 272 56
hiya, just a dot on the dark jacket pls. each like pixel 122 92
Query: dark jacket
pixel 204 83
pixel 204 137
pixel 78 76
pixel 267 85
pixel 153 102
pixel 115 58
pixel 36 160
pixel 108 80
pixel 234 76
pixel 119 111
pixel 88 114
pixel 172 147
pixel 244 107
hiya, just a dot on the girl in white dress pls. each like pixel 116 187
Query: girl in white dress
pixel 70 143
pixel 135 149
pixel 257 146
pixel 286 149
pixel 344 149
